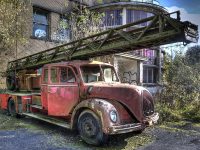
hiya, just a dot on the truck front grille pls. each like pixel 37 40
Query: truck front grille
pixel 148 106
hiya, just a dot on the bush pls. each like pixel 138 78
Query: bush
pixel 180 97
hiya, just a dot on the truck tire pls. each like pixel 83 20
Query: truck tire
pixel 90 128
pixel 11 108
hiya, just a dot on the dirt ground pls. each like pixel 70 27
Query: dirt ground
pixel 28 133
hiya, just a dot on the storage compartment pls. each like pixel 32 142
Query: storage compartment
pixel 29 80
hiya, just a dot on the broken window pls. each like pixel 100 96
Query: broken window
pixel 67 75
pixel 40 23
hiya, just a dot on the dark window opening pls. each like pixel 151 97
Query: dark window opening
pixel 135 15
pixel 63 33
pixel 40 24
pixel 113 18
pixel 45 75
pixel 54 75
pixel 149 75
pixel 67 75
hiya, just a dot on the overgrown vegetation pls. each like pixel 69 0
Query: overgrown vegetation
pixel 84 22
pixel 180 98
pixel 13 22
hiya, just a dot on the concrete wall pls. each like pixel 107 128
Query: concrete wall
pixel 128 69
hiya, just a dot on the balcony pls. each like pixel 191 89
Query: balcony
pixel 152 6
pixel 150 55
pixel 141 1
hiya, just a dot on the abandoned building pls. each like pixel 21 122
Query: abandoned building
pixel 142 67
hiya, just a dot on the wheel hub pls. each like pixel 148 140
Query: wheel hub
pixel 89 128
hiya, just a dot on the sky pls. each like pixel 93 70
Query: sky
pixel 190 9
pixel 191 6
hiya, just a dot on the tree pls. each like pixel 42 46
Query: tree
pixel 13 22
pixel 193 55
pixel 13 30
pixel 84 22
pixel 180 97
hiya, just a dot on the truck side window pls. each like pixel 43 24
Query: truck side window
pixel 63 74
pixel 67 75
pixel 71 78
pixel 54 76
pixel 45 75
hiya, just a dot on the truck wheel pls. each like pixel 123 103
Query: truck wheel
pixel 90 130
pixel 11 107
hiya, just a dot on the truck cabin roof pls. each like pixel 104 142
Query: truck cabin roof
pixel 78 63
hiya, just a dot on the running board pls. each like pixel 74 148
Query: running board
pixel 48 119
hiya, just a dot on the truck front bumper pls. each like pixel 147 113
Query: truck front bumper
pixel 126 128
pixel 150 120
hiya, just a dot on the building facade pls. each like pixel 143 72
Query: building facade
pixel 141 67
pixel 146 65
pixel 44 31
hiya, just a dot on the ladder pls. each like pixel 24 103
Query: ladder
pixel 159 30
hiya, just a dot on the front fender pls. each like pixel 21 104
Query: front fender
pixel 102 108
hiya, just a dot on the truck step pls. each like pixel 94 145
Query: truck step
pixel 49 119
pixel 36 106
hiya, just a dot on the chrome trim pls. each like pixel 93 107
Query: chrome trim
pixel 126 128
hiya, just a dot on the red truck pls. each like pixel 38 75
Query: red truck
pixel 61 86
pixel 83 95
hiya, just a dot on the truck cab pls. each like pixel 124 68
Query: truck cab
pixel 83 95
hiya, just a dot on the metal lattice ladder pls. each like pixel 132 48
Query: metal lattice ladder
pixel 161 29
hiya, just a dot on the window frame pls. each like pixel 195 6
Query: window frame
pixel 57 75
pixel 68 67
pixel 37 10
pixel 43 79
pixel 133 15
pixel 115 20
pixel 66 31
pixel 153 73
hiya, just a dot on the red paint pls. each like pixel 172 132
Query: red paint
pixel 64 94
pixel 44 89
pixel 3 100
pixel 61 100
pixel 126 94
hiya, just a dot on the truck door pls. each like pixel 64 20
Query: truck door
pixel 44 88
pixel 63 91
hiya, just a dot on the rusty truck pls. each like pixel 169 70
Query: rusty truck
pixel 62 86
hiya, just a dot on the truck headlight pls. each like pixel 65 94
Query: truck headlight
pixel 113 116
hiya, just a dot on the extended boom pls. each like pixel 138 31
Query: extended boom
pixel 160 30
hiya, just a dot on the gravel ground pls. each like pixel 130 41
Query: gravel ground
pixel 28 133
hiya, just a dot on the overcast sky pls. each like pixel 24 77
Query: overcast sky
pixel 190 9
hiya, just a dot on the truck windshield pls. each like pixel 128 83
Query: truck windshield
pixel 95 73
